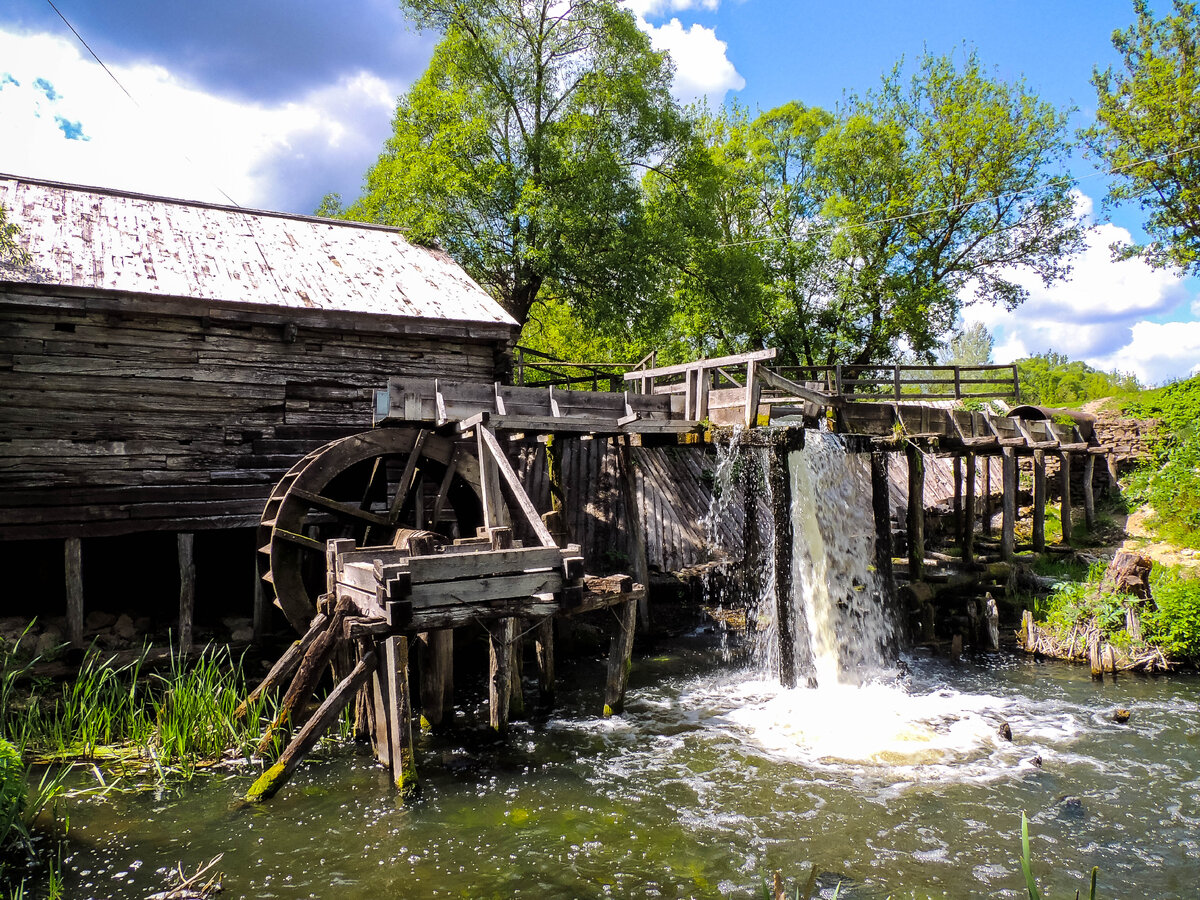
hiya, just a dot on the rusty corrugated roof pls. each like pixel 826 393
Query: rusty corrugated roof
pixel 108 240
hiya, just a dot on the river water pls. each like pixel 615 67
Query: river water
pixel 890 776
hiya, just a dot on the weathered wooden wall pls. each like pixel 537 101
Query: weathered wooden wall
pixel 118 417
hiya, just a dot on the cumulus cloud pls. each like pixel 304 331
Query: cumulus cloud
pixel 1102 314
pixel 180 140
pixel 702 70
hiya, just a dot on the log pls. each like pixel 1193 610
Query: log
pixel 1128 573
pixel 269 783
pixel 992 617
pixel 286 664
pixel 620 658
pixel 73 563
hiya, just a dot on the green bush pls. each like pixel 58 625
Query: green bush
pixel 12 789
pixel 1175 624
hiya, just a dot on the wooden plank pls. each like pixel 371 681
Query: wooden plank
pixel 483 590
pixel 442 567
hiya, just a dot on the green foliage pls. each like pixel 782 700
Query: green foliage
pixel 1051 379
pixel 968 346
pixel 840 238
pixel 11 251
pixel 1170 483
pixel 1175 624
pixel 1148 129
pixel 12 789
pixel 521 149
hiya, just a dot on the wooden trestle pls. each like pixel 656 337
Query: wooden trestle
pixel 381 600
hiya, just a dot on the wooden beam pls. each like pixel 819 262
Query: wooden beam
pixel 488 441
pixel 1089 498
pixel 1064 474
pixel 916 512
pixel 185 543
pixel 620 658
pixel 773 379
pixel 753 393
pixel 287 664
pixel 679 369
pixel 73 564
pixel 1008 522
pixel 969 509
pixel 1039 500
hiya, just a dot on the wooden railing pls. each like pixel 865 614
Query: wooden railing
pixel 532 368
pixel 910 382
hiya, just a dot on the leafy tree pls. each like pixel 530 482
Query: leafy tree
pixel 969 346
pixel 11 251
pixel 521 149
pixel 855 238
pixel 936 187
pixel 1148 130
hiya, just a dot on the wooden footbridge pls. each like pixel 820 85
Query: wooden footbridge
pixel 398 536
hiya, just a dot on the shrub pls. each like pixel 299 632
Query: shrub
pixel 1175 624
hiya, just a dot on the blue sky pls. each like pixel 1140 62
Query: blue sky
pixel 275 103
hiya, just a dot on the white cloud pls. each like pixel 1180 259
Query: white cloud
pixel 1102 313
pixel 178 140
pixel 702 70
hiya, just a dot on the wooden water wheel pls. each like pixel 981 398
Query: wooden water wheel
pixel 366 487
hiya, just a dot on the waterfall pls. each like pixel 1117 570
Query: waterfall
pixel 808 535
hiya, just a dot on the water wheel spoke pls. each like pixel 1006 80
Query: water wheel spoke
pixel 338 507
pixel 300 539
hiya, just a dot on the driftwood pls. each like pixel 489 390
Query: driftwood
pixel 192 887
pixel 287 664
pixel 1087 644
pixel 1128 573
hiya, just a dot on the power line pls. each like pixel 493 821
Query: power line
pixel 967 204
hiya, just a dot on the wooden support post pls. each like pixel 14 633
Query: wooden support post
pixel 435 659
pixel 500 634
pixel 381 734
pixel 988 505
pixel 287 664
pixel 187 588
pixel 495 511
pixel 262 609
pixel 554 472
pixel 916 512
pixel 1110 460
pixel 403 759
pixel 544 647
pixel 620 658
pixel 882 508
pixel 1089 497
pixel 1039 500
pixel 73 563
pixel 753 393
pixel 516 683
pixel 969 509
pixel 958 506
pixel 1008 521
pixel 635 531
pixel 1064 474
pixel 780 484
pixel 269 783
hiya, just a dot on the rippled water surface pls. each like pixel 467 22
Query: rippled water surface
pixel 711 780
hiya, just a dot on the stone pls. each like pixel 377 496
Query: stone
pixel 12 627
pixel 47 645
pixel 241 635
pixel 1005 731
pixel 123 628
pixel 96 621
pixel 1121 715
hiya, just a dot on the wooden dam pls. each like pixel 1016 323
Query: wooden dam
pixel 384 543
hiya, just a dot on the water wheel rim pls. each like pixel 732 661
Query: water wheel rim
pixel 282 543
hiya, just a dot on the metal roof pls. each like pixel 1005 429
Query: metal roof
pixel 95 238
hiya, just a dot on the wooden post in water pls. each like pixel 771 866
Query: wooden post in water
pixel 73 566
pixel 500 635
pixel 881 507
pixel 435 660
pixel 1089 498
pixel 969 509
pixel 620 658
pixel 635 529
pixel 403 759
pixel 916 512
pixel 262 609
pixel 544 649
pixel 1008 522
pixel 1039 500
pixel 781 500
pixel 1064 474
pixel 187 588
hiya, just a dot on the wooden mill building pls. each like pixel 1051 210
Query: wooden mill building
pixel 163 363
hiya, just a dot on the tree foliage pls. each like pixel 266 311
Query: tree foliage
pixel 1148 130
pixel 1051 379
pixel 521 149
pixel 969 346
pixel 12 253
pixel 848 238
